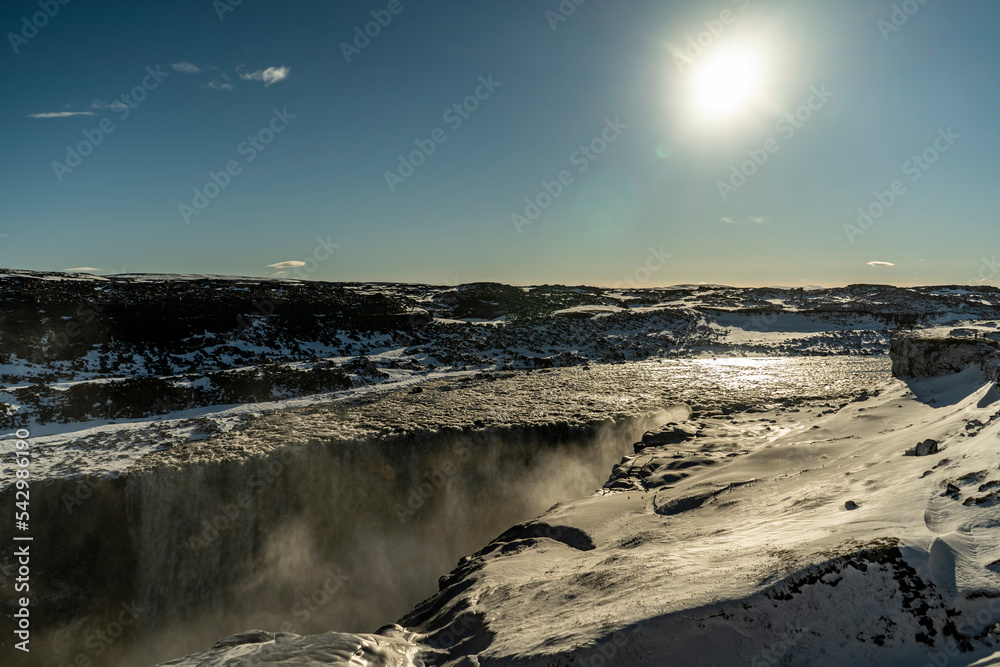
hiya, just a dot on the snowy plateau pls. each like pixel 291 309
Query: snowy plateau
pixel 275 472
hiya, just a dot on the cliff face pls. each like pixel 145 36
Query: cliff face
pixel 289 532
pixel 921 356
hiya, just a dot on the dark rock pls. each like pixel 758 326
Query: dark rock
pixel 670 434
pixel 914 356
pixel 248 637
pixel 925 448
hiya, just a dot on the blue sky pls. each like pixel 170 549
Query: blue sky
pixel 659 205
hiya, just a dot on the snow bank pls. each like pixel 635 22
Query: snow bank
pixel 824 546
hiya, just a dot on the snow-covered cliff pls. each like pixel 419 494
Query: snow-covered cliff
pixel 916 355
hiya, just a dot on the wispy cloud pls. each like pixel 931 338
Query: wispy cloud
pixel 96 105
pixel 881 264
pixel 82 269
pixel 760 220
pixel 185 67
pixel 100 105
pixel 286 265
pixel 221 81
pixel 268 76
pixel 60 114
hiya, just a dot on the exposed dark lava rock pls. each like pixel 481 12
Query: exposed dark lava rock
pixel 670 434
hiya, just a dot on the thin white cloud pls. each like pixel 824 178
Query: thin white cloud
pixel 268 76
pixel 82 269
pixel 185 67
pixel 286 265
pixel 60 114
pixel 760 220
pixel 220 81
pixel 101 105
pixel 217 70
pixel 880 264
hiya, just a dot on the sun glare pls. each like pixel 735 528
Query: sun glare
pixel 727 83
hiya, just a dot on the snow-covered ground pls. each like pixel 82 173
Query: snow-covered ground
pixel 814 541
pixel 112 447
pixel 97 392
pixel 78 348
pixel 781 523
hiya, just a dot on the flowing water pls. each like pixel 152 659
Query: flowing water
pixel 315 532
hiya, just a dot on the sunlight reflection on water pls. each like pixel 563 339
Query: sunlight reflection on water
pixel 763 378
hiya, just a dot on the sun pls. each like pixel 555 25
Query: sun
pixel 727 83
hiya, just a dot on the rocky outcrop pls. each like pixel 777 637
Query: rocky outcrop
pixel 920 356
pixel 669 434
